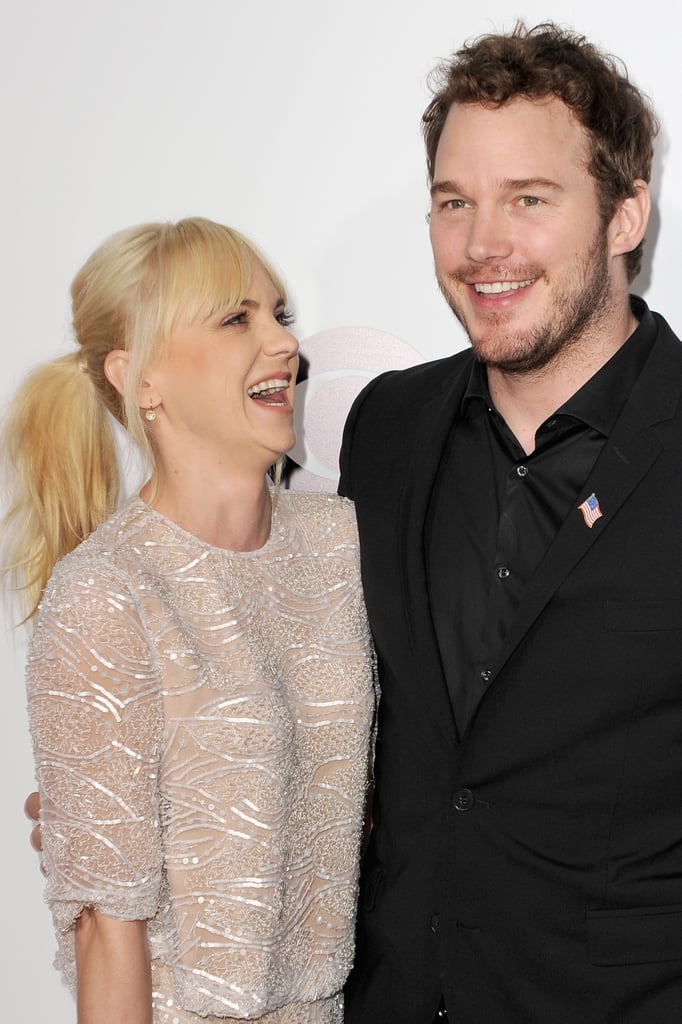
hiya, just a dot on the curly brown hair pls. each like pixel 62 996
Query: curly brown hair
pixel 548 61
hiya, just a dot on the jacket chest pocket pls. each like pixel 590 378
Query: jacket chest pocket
pixel 640 935
pixel 643 617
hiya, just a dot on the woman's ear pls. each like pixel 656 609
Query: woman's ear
pixel 116 365
pixel 630 220
pixel 116 368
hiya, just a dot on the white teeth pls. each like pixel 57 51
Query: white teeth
pixel 267 387
pixel 495 287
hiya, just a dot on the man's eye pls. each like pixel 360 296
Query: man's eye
pixel 530 201
pixel 455 204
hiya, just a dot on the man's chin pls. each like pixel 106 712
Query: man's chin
pixel 509 354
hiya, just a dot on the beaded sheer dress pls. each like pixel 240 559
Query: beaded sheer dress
pixel 201 722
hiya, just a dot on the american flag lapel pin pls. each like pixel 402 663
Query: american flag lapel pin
pixel 591 510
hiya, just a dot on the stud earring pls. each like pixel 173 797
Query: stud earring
pixel 150 413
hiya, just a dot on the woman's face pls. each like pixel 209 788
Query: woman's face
pixel 226 383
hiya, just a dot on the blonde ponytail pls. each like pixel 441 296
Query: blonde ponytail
pixel 61 470
pixel 58 439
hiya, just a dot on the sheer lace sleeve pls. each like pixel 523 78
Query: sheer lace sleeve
pixel 95 719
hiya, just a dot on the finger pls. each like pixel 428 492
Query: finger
pixel 36 839
pixel 32 806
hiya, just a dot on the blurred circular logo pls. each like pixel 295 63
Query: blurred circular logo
pixel 335 366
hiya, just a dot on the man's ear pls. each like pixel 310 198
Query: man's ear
pixel 630 220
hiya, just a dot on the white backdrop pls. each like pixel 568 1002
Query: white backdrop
pixel 298 123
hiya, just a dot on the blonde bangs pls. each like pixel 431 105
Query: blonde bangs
pixel 193 269
pixel 203 268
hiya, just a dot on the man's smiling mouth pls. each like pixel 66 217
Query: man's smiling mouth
pixel 497 287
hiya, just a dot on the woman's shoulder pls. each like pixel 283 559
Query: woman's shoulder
pixel 101 559
pixel 325 517
pixel 322 506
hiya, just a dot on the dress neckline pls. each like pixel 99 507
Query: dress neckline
pixel 136 503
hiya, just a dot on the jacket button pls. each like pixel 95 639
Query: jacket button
pixel 463 800
pixel 434 923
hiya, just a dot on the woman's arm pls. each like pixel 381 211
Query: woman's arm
pixel 97 729
pixel 112 960
pixel 114 977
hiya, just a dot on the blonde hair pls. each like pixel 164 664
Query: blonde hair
pixel 58 436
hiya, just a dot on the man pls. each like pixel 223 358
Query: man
pixel 518 508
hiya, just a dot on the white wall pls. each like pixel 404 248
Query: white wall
pixel 297 123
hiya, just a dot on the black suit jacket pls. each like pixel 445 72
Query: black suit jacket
pixel 531 868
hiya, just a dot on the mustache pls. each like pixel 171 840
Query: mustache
pixel 474 274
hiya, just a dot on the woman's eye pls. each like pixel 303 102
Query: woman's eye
pixel 286 318
pixel 233 319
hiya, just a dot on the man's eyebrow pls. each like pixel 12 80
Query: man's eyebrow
pixel 440 187
pixel 507 184
pixel 522 184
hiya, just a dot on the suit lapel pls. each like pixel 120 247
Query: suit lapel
pixel 430 437
pixel 627 457
pixel 625 460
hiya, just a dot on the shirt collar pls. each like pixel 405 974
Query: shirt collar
pixel 599 401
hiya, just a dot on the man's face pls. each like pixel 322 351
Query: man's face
pixel 520 249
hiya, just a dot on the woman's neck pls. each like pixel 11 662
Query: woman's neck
pixel 235 515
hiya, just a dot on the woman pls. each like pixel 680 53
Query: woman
pixel 200 672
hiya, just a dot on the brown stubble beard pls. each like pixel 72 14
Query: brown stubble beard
pixel 578 312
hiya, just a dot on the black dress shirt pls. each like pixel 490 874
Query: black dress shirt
pixel 495 510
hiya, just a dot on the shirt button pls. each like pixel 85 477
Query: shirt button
pixel 502 572
pixel 522 470
pixel 486 675
pixel 463 800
